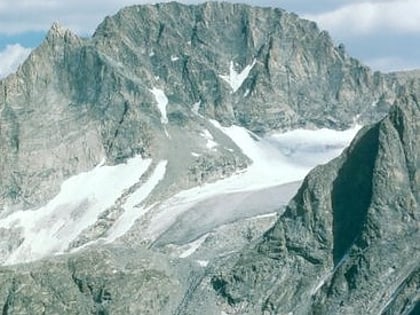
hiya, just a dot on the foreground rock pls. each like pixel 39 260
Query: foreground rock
pixel 346 244
pixel 348 241
pixel 105 281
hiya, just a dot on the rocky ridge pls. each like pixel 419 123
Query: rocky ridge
pixel 147 84
pixel 347 242
pixel 261 68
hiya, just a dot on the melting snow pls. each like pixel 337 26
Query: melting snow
pixel 166 132
pixel 264 216
pixel 312 147
pixel 196 107
pixel 236 79
pixel 162 102
pixel 131 211
pixel 82 198
pixel 211 144
pixel 193 246
pixel 276 160
pixel 202 263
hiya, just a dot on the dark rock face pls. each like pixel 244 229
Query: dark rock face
pixel 348 242
pixel 91 98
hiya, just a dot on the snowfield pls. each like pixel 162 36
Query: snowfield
pixel 162 102
pixel 235 79
pixel 279 162
pixel 272 166
pixel 131 210
pixel 50 229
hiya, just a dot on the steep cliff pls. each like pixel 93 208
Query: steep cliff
pixel 348 241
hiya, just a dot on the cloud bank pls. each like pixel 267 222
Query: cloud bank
pixel 363 25
pixel 11 58
pixel 402 16
pixel 78 15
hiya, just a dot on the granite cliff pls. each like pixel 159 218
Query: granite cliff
pixel 148 170
pixel 347 242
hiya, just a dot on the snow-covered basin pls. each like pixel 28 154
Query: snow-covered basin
pixel 82 198
pixel 279 161
pixel 213 212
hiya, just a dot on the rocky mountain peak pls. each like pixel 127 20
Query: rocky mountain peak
pixel 58 33
pixel 259 68
pixel 56 29
pixel 167 130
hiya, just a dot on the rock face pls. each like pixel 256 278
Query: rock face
pixel 95 98
pixel 346 244
pixel 348 241
pixel 107 281
pixel 165 82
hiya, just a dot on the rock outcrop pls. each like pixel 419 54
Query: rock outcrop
pixel 348 241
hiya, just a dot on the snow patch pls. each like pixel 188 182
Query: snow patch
pixel 312 147
pixel 235 79
pixel 166 132
pixel 196 107
pixel 192 247
pixel 174 58
pixel 162 102
pixel 131 210
pixel 202 263
pixel 82 198
pixel 211 144
pixel 263 216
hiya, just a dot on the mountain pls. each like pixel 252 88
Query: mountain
pixel 106 96
pixel 348 241
pixel 148 170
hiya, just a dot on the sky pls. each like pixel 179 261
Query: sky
pixel 384 34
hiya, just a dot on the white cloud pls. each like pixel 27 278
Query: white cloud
pixel 354 21
pixel 389 64
pixel 83 16
pixel 11 57
pixel 38 15
pixel 402 16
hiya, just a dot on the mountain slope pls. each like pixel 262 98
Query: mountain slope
pixel 348 241
pixel 346 244
pixel 137 86
pixel 187 108
pixel 139 168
